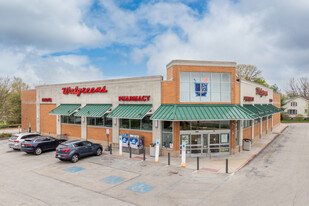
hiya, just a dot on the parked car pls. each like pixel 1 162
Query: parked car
pixel 16 139
pixel 73 150
pixel 37 145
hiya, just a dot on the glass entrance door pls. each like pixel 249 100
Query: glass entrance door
pixel 196 144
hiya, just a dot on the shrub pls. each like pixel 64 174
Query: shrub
pixel 299 117
pixel 5 135
pixel 285 116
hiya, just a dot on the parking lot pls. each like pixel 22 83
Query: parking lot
pixel 44 180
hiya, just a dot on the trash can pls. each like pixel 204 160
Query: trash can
pixel 152 151
pixel 247 144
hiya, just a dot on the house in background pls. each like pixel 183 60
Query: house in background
pixel 297 106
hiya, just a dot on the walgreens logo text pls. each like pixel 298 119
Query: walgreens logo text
pixel 79 91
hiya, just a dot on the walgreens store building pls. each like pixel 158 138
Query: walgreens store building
pixel 201 104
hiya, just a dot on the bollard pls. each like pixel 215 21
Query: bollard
pixel 144 154
pixel 169 159
pixel 130 152
pixel 110 149
pixel 198 163
pixel 227 165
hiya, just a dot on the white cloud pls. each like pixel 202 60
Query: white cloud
pixel 50 24
pixel 269 34
pixel 35 70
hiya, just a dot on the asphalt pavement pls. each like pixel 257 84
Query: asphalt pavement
pixel 277 176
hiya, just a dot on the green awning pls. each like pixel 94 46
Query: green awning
pixel 274 108
pixel 185 112
pixel 259 112
pixel 65 109
pixel 265 109
pixel 93 110
pixel 130 111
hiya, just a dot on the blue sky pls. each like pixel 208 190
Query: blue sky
pixel 54 41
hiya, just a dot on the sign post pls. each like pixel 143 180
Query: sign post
pixel 157 151
pixel 107 134
pixel 120 145
pixel 183 155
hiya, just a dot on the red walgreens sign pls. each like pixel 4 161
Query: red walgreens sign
pixel 249 99
pixel 79 91
pixel 46 99
pixel 261 92
pixel 133 98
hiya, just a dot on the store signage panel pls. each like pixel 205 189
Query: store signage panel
pixel 248 99
pixel 84 90
pixel 261 92
pixel 134 98
pixel 47 100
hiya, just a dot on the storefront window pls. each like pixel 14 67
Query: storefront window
pixel 185 126
pixel 257 121
pixel 99 121
pixel 167 134
pixel 247 123
pixel 70 120
pixel 264 119
pixel 107 121
pixel 125 123
pixel 146 123
pixel 136 124
pixel 205 87
pixel 167 126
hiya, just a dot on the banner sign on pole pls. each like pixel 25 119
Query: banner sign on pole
pixel 157 151
pixel 183 155
pixel 120 145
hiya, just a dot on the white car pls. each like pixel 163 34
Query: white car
pixel 16 139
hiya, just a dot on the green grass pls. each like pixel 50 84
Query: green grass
pixel 5 135
pixel 294 121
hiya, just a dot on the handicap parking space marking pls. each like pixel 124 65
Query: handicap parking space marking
pixel 141 188
pixel 74 169
pixel 112 179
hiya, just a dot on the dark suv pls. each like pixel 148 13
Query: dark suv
pixel 73 150
pixel 37 145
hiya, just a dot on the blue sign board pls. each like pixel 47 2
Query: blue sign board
pixel 133 142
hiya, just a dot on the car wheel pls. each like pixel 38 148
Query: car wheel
pixel 99 152
pixel 74 158
pixel 38 151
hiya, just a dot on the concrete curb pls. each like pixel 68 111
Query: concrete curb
pixel 255 155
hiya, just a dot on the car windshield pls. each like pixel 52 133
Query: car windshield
pixel 14 136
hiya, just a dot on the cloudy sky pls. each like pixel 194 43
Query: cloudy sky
pixel 56 41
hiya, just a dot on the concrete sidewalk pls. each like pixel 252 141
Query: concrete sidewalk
pixel 217 164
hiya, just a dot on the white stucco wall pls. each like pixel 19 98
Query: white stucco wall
pixel 139 86
pixel 302 105
pixel 248 89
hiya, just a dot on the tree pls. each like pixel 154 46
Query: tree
pixel 248 72
pixel 261 81
pixel 298 87
pixel 10 100
pixel 275 88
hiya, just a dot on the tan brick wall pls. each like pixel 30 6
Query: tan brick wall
pixel 277 103
pixel 256 130
pixel 28 110
pixel 170 89
pixel 47 121
pixel 247 133
pixel 28 115
pixel 233 134
pixel 176 136
pixel 29 95
pixel 269 125
pixel 99 133
pixel 71 130
pixel 237 93
pixel 147 135
pixel 264 127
